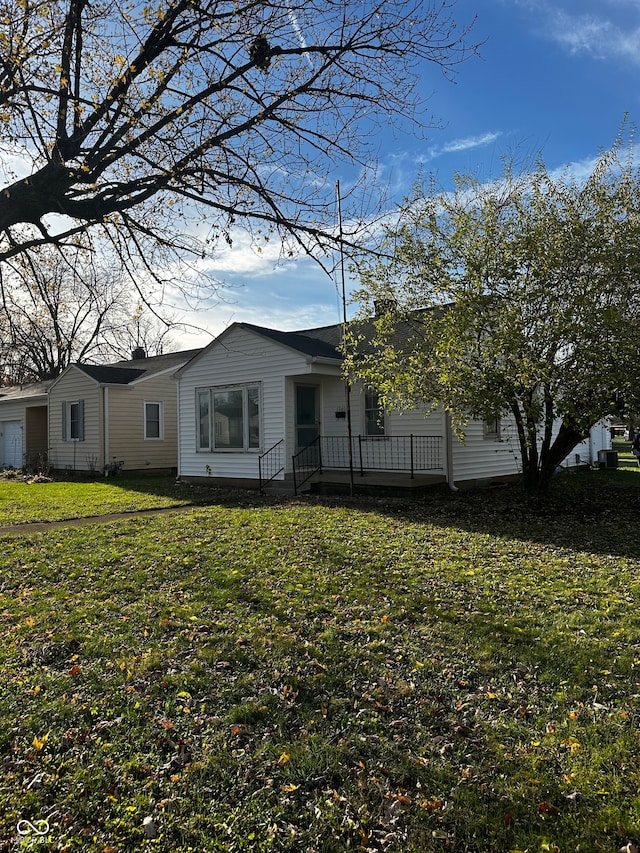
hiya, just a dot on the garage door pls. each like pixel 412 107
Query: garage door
pixel 11 444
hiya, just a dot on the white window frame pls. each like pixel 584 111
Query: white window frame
pixel 381 420
pixel 160 406
pixel 208 395
pixel 492 429
pixel 68 407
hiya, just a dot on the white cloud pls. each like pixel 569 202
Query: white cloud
pixel 469 142
pixel 288 306
pixel 242 257
pixel 292 295
pixel 594 36
pixel 603 33
pixel 584 34
pixel 455 146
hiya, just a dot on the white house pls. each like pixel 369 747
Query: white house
pixel 259 404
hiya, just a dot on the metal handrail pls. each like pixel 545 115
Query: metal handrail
pixel 271 462
pixel 308 460
pixel 411 453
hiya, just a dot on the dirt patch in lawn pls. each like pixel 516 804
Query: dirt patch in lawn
pixel 44 526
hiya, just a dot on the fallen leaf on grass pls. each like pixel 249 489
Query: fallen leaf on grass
pixel 38 743
pixel 430 805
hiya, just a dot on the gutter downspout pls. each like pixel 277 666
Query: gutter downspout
pixel 448 449
pixel 105 427
pixel 178 427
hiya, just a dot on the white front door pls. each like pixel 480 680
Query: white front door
pixel 11 435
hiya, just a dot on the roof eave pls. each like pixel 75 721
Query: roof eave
pixel 323 359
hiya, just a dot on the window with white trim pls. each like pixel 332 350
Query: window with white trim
pixel 153 421
pixel 228 418
pixel 373 414
pixel 73 420
pixel 491 428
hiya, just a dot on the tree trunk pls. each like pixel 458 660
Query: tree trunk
pixel 537 479
pixel 29 199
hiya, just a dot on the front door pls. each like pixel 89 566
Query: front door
pixel 307 422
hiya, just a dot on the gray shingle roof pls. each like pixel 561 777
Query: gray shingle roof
pixel 18 392
pixel 405 330
pixel 125 372
pixel 304 342
pixel 105 374
pixel 324 341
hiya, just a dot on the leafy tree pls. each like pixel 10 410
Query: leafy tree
pixel 531 286
pixel 56 309
pixel 125 117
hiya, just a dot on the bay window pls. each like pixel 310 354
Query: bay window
pixel 228 418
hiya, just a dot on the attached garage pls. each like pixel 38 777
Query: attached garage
pixel 24 438
pixel 10 444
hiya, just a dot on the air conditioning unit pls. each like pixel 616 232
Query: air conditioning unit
pixel 607 459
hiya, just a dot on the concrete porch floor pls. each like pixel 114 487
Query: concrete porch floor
pixel 386 482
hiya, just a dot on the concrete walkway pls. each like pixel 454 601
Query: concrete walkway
pixel 44 526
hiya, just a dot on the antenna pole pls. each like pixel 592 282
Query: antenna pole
pixel 347 386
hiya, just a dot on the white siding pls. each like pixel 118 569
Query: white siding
pixel 485 458
pixel 410 422
pixel 334 400
pixel 416 422
pixel 586 453
pixel 74 385
pixel 480 457
pixel 400 427
pixel 240 356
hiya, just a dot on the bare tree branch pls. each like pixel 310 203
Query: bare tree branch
pixel 60 307
pixel 203 104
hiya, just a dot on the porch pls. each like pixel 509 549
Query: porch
pixel 392 463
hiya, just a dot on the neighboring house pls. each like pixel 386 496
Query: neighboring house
pixel 121 415
pixel 23 426
pixel 258 404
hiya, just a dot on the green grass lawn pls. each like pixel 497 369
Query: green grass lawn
pixel 457 674
pixel 23 502
pixel 626 459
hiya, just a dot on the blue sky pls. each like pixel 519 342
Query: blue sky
pixel 555 77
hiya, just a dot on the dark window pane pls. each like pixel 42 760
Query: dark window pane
pixel 227 415
pixel 204 441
